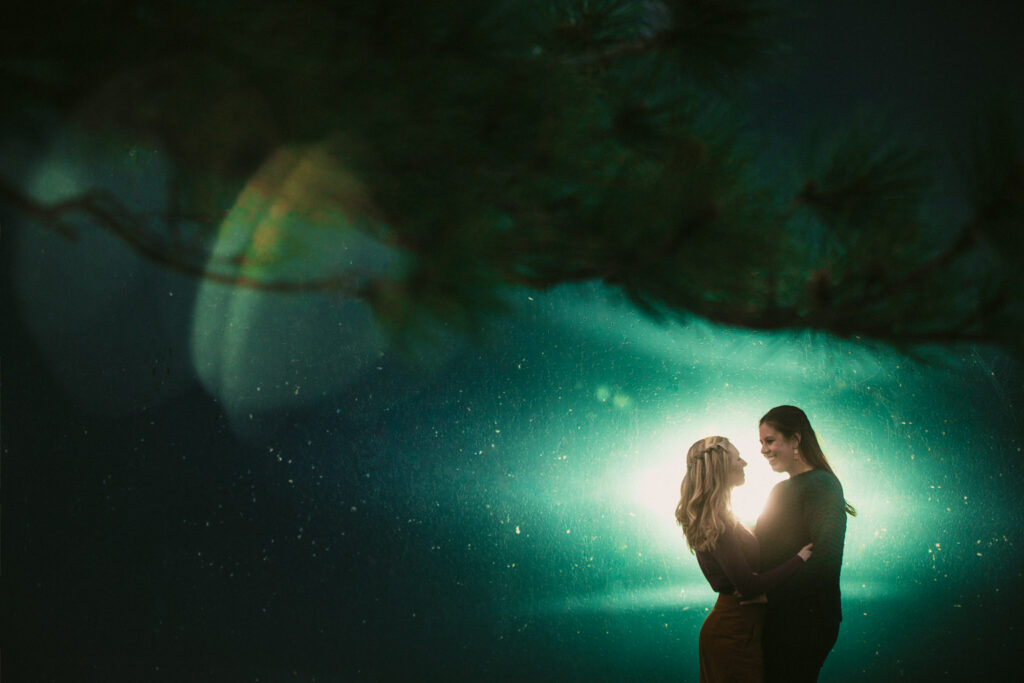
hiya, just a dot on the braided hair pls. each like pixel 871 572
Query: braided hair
pixel 705 495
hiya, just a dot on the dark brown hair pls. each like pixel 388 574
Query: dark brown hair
pixel 790 421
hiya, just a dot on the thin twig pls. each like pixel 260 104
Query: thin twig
pixel 107 213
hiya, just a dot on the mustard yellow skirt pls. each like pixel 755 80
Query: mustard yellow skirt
pixel 730 642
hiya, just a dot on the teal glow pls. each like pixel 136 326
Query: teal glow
pixel 522 495
pixel 896 431
pixel 203 482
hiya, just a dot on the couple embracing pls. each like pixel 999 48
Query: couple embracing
pixel 778 609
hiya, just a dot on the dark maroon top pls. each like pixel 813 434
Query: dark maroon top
pixel 729 567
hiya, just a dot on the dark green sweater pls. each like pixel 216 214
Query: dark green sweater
pixel 807 508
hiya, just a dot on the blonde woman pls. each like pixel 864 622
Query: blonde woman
pixel 729 556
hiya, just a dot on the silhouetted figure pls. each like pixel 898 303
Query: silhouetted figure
pixel 803 614
pixel 730 639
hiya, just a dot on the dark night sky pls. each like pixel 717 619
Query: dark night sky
pixel 925 63
pixel 400 525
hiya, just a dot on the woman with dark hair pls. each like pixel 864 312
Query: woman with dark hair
pixel 727 552
pixel 803 614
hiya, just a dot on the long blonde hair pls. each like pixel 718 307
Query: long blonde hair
pixel 705 496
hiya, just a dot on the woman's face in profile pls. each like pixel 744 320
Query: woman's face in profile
pixel 736 464
pixel 779 451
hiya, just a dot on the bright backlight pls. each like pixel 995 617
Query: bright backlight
pixel 656 489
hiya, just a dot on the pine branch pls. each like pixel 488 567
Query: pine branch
pixel 506 145
pixel 106 213
pixel 660 42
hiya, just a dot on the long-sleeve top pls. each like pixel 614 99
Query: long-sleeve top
pixel 730 565
pixel 806 508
